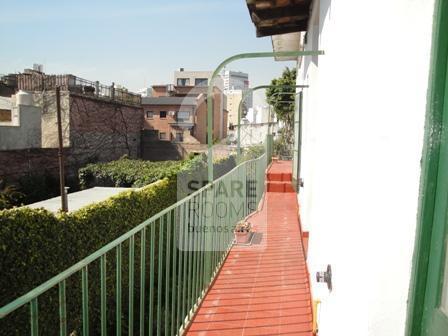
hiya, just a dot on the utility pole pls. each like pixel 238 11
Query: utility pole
pixel 64 205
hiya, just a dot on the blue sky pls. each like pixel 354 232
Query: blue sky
pixel 130 42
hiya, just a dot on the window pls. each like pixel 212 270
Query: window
pixel 201 81
pixel 179 136
pixel 183 81
pixel 183 116
pixel 5 115
pixel 162 114
pixel 149 114
pixel 162 136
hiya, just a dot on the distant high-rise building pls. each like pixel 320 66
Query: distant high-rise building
pixel 145 92
pixel 235 80
pixel 236 84
pixel 184 77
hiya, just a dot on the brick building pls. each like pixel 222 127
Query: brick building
pixel 179 114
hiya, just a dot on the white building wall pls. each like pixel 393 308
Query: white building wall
pixel 363 122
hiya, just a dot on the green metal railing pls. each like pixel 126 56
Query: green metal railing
pixel 186 244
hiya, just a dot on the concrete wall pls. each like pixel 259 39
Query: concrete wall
pixel 251 134
pixel 219 118
pixel 234 98
pixel 47 103
pixel 25 133
pixel 362 139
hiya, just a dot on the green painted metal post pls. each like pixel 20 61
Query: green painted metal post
pixel 103 296
pixel 151 280
pixel 167 272
pixel 142 279
pixel 118 291
pixel 131 286
pixel 62 309
pixel 216 74
pixel 85 301
pixel 34 318
pixel 173 286
pixel 159 275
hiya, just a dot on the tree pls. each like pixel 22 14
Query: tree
pixel 281 96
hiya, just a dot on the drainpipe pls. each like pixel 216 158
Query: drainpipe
pixel 216 74
pixel 248 92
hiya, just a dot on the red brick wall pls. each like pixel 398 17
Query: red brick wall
pixel 104 131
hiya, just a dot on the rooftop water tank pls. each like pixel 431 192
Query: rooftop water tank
pixel 24 98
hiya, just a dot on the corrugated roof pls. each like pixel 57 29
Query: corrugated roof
pixel 168 101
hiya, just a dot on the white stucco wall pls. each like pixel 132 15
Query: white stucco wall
pixel 362 140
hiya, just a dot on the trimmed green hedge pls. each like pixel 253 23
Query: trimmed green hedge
pixel 127 173
pixel 36 245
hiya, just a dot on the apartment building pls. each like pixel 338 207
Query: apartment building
pixel 179 114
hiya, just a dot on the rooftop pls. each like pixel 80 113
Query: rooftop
pixel 79 199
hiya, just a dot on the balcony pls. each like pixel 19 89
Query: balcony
pixel 263 289
pixel 198 282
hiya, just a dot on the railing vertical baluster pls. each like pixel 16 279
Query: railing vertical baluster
pixel 179 277
pixel 151 280
pixel 62 309
pixel 185 267
pixel 131 286
pixel 118 291
pixel 173 294
pixel 190 258
pixel 85 301
pixel 200 248
pixel 142 279
pixel 159 275
pixel 208 237
pixel 167 272
pixel 34 315
pixel 213 233
pixel 195 249
pixel 103 295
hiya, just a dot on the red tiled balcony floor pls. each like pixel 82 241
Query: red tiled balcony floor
pixel 262 289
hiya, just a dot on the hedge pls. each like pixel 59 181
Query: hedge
pixel 36 245
pixel 127 173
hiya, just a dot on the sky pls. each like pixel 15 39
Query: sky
pixel 134 43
